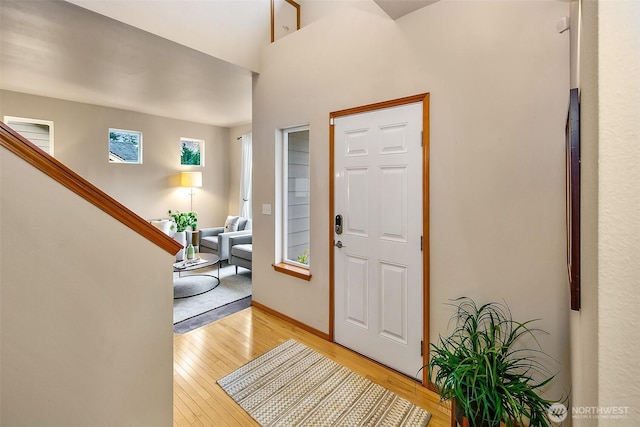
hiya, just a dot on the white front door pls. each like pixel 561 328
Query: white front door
pixel 378 258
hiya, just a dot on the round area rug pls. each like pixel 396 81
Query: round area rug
pixel 233 287
pixel 189 286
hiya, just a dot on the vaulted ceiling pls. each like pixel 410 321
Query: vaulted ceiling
pixel 190 59
pixel 60 50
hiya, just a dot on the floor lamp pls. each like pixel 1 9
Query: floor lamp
pixel 191 180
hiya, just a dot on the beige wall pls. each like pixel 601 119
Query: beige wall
pixel 150 189
pixel 86 311
pixel 605 342
pixel 498 74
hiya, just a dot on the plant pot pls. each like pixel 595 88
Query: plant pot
pixel 181 237
pixel 463 421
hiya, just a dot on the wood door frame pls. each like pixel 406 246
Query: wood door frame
pixel 424 98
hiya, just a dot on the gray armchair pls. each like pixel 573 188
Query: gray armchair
pixel 240 251
pixel 216 240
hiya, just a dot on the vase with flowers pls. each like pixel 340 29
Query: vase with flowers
pixel 183 223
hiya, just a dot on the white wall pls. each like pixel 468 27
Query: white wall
pixel 86 308
pixel 584 323
pixel 150 189
pixel 619 205
pixel 498 74
pixel 604 353
pixel 605 344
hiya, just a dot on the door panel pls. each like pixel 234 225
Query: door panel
pixel 393 190
pixel 356 143
pixel 357 289
pixel 378 267
pixel 394 139
pixel 357 181
pixel 393 281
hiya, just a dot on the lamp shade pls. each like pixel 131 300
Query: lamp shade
pixel 191 179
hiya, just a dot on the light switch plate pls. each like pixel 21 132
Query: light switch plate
pixel 563 24
pixel 266 209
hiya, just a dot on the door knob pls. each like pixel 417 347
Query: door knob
pixel 338 244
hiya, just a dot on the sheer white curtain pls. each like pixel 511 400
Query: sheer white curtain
pixel 245 177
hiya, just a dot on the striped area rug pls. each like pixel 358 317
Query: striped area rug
pixel 292 385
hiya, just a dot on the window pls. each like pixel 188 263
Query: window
pixel 40 132
pixel 125 146
pixel 191 152
pixel 246 170
pixel 285 18
pixel 295 197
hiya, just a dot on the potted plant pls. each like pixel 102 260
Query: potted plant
pixel 483 369
pixel 303 258
pixel 183 221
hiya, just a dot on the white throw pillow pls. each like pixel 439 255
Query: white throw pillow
pixel 166 225
pixel 231 224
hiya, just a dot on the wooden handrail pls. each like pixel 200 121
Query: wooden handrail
pixel 32 154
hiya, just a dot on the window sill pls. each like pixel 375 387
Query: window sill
pixel 292 270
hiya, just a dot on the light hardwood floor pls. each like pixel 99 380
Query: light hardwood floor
pixel 208 353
